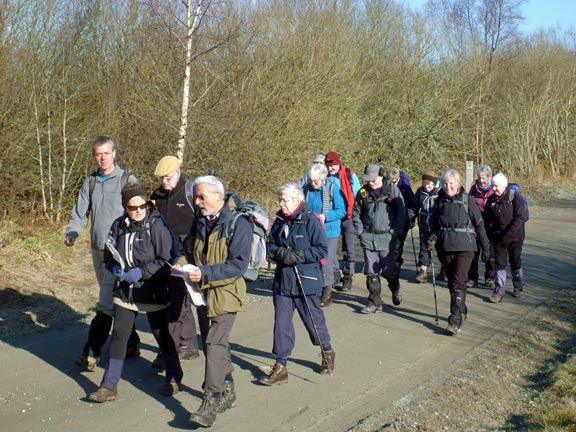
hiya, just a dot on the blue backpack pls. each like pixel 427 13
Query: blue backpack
pixel 515 189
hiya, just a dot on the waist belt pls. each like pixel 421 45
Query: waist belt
pixel 462 230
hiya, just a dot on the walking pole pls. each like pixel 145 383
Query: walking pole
pixel 434 283
pixel 414 248
pixel 312 319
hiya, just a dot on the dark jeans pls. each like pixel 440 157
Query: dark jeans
pixel 310 313
pixel 489 265
pixel 348 247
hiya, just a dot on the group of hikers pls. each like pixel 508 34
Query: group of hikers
pixel 151 253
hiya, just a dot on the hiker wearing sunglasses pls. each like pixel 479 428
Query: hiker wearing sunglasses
pixel 139 249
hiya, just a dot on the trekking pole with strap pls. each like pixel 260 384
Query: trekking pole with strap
pixel 299 281
pixel 434 283
pixel 414 248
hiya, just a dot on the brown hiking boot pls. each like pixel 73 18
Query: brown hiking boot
pixel 328 358
pixel 326 298
pixel 422 276
pixel 472 283
pixel 87 363
pixel 103 395
pixel 346 283
pixel 170 388
pixel 278 375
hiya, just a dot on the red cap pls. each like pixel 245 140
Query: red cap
pixel 332 158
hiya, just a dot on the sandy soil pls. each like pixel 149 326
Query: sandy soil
pixel 394 371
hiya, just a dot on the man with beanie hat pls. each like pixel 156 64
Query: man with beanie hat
pixel 378 218
pixel 170 199
pixel 100 200
pixel 505 219
pixel 349 185
pixel 422 211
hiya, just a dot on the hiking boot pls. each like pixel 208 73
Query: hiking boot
pixel 517 293
pixel 337 277
pixel 87 363
pixel 170 388
pixel 452 330
pixel 278 375
pixel 188 355
pixel 371 309
pixel 159 363
pixel 206 414
pixel 346 283
pixel 103 395
pixel 326 298
pixel 472 283
pixel 489 283
pixel 441 274
pixel 133 351
pixel 496 297
pixel 422 276
pixel 396 298
pixel 328 358
pixel 228 398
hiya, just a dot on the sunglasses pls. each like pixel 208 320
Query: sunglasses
pixel 136 207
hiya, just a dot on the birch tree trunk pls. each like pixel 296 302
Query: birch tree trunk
pixel 191 24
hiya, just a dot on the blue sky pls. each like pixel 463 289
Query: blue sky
pixel 538 14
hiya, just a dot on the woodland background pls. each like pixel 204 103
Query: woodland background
pixel 273 82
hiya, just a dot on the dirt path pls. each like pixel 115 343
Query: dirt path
pixel 380 359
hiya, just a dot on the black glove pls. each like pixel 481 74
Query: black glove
pixel 279 254
pixel 485 255
pixel 411 219
pixel 432 242
pixel 289 257
pixel 293 257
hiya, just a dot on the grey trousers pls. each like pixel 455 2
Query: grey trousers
pixel 215 335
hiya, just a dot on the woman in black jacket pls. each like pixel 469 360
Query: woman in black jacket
pixel 456 224
pixel 506 215
pixel 138 250
pixel 297 243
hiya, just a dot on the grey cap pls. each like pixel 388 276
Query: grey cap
pixel 372 172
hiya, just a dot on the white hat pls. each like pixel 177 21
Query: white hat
pixel 500 180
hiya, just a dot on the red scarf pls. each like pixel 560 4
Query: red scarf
pixel 346 188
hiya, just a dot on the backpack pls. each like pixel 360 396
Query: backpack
pixel 92 184
pixel 404 178
pixel 176 248
pixel 515 188
pixel 258 219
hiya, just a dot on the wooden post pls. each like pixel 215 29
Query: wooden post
pixel 469 174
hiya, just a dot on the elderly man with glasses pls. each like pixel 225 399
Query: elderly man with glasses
pixel 170 199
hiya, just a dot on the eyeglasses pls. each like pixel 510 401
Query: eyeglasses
pixel 137 207
pixel 203 197
pixel 168 177
pixel 283 202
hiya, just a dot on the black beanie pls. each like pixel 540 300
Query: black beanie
pixel 132 190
